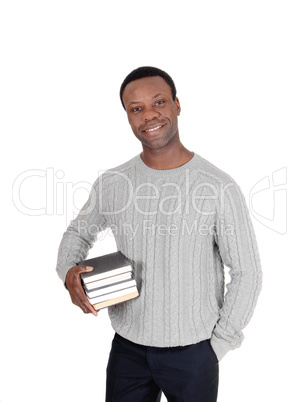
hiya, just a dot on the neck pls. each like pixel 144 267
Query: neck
pixel 166 158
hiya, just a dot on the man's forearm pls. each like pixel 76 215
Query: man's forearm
pixel 239 252
pixel 81 233
pixel 72 249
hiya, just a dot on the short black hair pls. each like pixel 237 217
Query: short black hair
pixel 142 72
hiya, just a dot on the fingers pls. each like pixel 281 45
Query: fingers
pixel 84 268
pixel 86 307
pixel 78 296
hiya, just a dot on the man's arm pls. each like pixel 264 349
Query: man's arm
pixel 75 244
pixel 73 284
pixel 238 250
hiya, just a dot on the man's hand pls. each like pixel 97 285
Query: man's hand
pixel 73 284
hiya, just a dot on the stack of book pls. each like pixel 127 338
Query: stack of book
pixel 111 281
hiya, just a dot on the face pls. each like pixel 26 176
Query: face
pixel 152 112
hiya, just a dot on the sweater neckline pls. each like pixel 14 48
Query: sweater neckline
pixel 143 168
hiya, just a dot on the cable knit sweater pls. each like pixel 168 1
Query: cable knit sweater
pixel 178 227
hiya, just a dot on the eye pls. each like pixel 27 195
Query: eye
pixel 159 102
pixel 136 109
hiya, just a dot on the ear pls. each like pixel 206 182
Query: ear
pixel 178 106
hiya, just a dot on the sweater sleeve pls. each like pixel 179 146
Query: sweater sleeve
pixel 82 231
pixel 238 250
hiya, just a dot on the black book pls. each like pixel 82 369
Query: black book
pixel 109 266
pixel 113 287
pixel 108 281
pixel 105 266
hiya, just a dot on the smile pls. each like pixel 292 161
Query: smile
pixel 150 130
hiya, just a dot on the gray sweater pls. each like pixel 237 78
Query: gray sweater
pixel 178 227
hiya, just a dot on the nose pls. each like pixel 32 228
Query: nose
pixel 150 114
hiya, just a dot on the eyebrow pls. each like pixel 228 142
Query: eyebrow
pixel 136 102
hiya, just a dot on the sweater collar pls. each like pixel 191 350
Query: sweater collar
pixel 142 168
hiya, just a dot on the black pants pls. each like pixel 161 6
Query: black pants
pixel 137 373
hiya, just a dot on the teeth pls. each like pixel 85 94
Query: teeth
pixel 153 129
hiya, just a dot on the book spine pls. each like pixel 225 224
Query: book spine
pixel 110 288
pixel 117 300
pixel 91 277
pixel 111 280
pixel 112 295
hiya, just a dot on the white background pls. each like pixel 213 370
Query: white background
pixel 235 65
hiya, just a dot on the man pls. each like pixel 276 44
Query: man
pixel 179 219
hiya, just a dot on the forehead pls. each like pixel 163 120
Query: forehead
pixel 144 88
